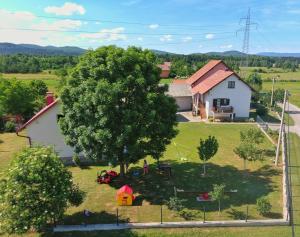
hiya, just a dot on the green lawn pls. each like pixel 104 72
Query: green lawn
pixel 262 179
pixel 292 87
pixel 270 73
pixel 51 80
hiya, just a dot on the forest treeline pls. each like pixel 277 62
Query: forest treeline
pixel 183 65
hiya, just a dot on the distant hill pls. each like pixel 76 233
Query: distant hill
pixel 160 52
pixel 281 55
pixel 9 48
pixel 227 53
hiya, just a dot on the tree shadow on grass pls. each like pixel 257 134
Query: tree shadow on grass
pixel 102 217
pixel 156 188
pixel 112 233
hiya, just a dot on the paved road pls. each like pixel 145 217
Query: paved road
pixel 294 112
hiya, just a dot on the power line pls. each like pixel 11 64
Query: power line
pixel 116 33
pixel 129 23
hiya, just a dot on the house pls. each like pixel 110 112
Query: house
pixel 43 128
pixel 165 69
pixel 213 91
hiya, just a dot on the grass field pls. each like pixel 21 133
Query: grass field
pixel 51 80
pixel 270 73
pixel 151 190
pixel 292 87
pixel 212 232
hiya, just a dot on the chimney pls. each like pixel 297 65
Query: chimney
pixel 49 98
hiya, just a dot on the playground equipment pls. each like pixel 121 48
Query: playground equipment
pixel 203 196
pixel 125 196
pixel 105 177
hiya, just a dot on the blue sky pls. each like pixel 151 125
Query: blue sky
pixel 181 26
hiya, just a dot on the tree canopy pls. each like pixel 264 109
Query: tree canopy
pixel 35 191
pixel 18 98
pixel 207 149
pixel 114 107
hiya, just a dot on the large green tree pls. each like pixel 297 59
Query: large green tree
pixel 35 191
pixel 114 107
pixel 16 98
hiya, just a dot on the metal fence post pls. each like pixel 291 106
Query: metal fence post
pixel 117 216
pixel 204 211
pixel 247 212
pixel 161 216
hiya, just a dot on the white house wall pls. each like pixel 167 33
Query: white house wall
pixel 45 131
pixel 240 96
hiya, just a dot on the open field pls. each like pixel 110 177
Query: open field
pixel 269 73
pixel 51 80
pixel 292 87
pixel 154 189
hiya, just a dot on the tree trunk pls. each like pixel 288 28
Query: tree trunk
pixel 245 164
pixel 219 207
pixel 204 169
pixel 122 169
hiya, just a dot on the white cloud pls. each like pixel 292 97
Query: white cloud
pixel 97 22
pixel 20 19
pixel 200 46
pixel 67 9
pixel 166 38
pixel 106 35
pixel 140 39
pixel 209 36
pixel 153 26
pixel 228 46
pixel 187 39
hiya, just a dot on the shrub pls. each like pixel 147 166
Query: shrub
pixel 263 205
pixel 36 191
pixel 261 110
pixel 188 214
pixel 175 204
pixel 10 126
pixel 76 160
pixel 76 196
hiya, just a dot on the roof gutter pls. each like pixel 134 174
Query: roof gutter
pixel 29 138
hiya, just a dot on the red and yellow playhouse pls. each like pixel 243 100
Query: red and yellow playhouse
pixel 125 196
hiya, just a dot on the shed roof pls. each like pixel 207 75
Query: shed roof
pixel 179 90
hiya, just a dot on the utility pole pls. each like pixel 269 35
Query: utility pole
pixel 281 128
pixel 273 80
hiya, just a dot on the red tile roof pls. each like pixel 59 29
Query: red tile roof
pixel 38 114
pixel 212 81
pixel 165 66
pixel 202 71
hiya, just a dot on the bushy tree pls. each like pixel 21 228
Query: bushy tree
pixel 263 205
pixel 114 108
pixel 255 81
pixel 38 87
pixel 248 149
pixel 35 191
pixel 16 98
pixel 218 193
pixel 207 149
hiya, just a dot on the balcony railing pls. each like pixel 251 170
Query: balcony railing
pixel 223 109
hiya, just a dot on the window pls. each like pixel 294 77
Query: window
pixel 221 102
pixel 231 84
